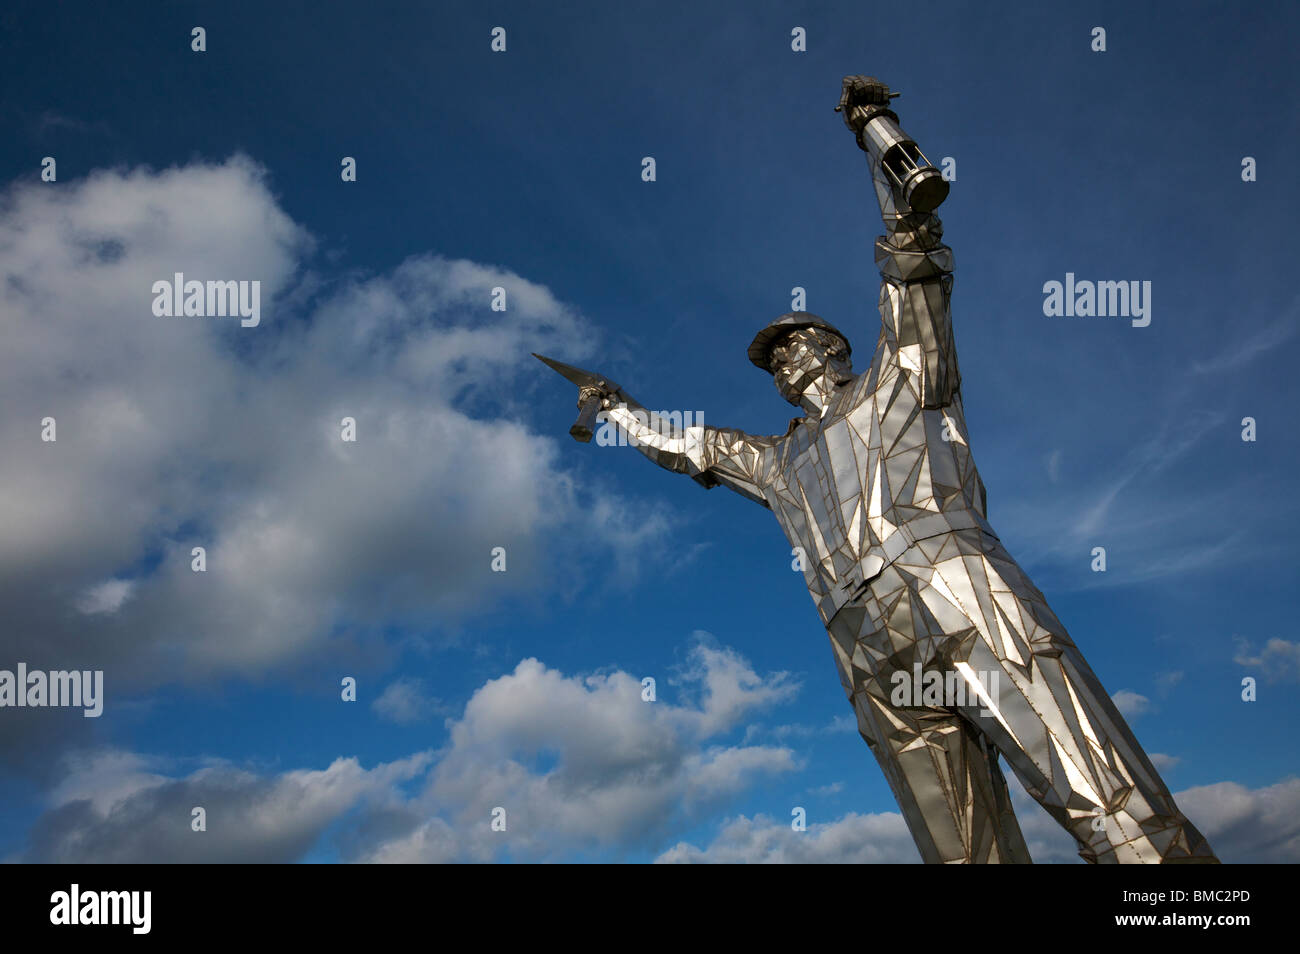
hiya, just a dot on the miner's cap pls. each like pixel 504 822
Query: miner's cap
pixel 761 348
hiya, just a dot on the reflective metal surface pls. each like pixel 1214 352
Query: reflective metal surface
pixel 877 486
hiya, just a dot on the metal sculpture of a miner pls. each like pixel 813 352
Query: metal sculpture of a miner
pixel 877 485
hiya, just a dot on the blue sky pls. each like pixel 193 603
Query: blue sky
pixel 522 170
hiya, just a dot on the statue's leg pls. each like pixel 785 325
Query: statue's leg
pixel 944 775
pixel 1051 718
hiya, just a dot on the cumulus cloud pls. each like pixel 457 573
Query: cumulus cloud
pixel 852 839
pixel 583 763
pixel 577 763
pixel 174 433
pixel 105 778
pixel 1244 826
pixel 1248 826
pixel 728 684
pixel 109 810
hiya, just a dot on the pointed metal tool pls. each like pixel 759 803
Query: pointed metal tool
pixel 592 385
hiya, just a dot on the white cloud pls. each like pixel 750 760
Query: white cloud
pixel 1130 704
pixel 798 730
pixel 579 763
pixel 1054 466
pixel 105 778
pixel 1243 352
pixel 1255 826
pixel 852 839
pixel 582 763
pixel 1243 826
pixel 406 702
pixel 106 597
pixel 175 433
pixel 108 810
pixel 834 788
pixel 730 686
pixel 432 842
pixel 1279 661
pixel 1168 679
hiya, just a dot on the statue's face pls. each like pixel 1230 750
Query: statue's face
pixel 805 355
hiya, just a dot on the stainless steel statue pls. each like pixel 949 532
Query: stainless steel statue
pixel 877 486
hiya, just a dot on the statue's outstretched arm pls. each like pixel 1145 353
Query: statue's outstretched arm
pixel 710 455
pixel 915 265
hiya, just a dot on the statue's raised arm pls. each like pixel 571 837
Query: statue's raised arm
pixel 915 266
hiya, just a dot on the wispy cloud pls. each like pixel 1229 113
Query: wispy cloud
pixel 834 788
pixel 52 120
pixel 1168 679
pixel 1142 510
pixel 796 730
pixel 1054 465
pixel 406 701
pixel 1242 353
pixel 1147 459
pixel 106 597
pixel 1279 660
pixel 1131 704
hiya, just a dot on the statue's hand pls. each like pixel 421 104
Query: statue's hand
pixel 858 96
pixel 613 396
pixel 593 397
pixel 609 393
